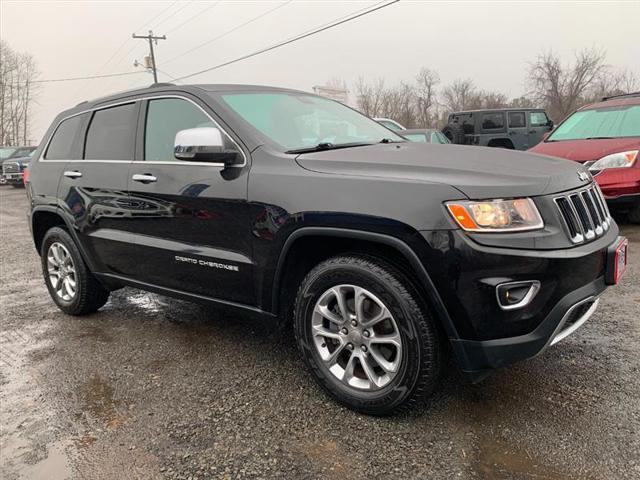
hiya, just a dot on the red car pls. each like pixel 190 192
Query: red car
pixel 605 136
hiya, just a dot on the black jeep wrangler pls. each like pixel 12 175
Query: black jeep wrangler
pixel 512 128
pixel 385 254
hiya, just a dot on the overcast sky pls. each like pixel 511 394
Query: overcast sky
pixel 489 42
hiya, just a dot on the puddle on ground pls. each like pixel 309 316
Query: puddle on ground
pixel 147 301
pixel 95 333
pixel 498 461
pixel 98 400
pixel 54 466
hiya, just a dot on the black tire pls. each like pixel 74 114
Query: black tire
pixel 634 214
pixel 422 347
pixel 90 295
pixel 455 133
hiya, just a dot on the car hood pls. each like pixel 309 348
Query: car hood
pixel 478 172
pixel 587 150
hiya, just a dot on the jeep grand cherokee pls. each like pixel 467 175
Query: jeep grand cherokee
pixel 284 204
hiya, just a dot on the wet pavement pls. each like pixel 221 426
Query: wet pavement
pixel 151 387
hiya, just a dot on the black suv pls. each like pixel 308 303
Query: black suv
pixel 279 203
pixel 512 128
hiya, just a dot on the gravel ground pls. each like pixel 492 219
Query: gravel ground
pixel 151 387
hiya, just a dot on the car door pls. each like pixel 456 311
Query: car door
pixel 190 222
pixel 518 131
pixel 539 124
pixel 93 189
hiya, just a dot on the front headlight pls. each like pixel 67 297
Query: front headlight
pixel 496 215
pixel 615 160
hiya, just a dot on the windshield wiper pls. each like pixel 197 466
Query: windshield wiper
pixel 597 138
pixel 388 140
pixel 327 146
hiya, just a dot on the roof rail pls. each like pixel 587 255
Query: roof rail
pixel 162 84
pixel 632 94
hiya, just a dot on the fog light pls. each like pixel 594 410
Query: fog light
pixel 514 295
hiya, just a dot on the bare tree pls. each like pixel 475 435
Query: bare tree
pixel 426 97
pixel 460 95
pixel 562 88
pixel 18 72
pixel 369 96
pixel 625 81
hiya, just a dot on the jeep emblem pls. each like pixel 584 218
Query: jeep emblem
pixel 584 176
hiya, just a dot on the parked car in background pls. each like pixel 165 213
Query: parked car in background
pixel 390 124
pixel 14 161
pixel 424 135
pixel 512 128
pixel 605 137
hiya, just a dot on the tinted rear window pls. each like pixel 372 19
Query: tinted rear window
pixel 517 120
pixel 111 134
pixel 61 144
pixel 492 121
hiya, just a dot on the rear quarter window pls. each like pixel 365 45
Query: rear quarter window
pixel 61 146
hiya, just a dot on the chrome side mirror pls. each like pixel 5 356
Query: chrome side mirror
pixel 204 144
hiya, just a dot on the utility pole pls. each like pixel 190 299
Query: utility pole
pixel 152 39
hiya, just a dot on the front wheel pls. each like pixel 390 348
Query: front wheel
pixel 366 336
pixel 70 283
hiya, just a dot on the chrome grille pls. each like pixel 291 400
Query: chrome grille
pixel 584 213
pixel 10 167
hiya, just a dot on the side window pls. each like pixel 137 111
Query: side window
pixel 492 121
pixel 165 118
pixel 517 120
pixel 111 134
pixel 538 119
pixel 61 144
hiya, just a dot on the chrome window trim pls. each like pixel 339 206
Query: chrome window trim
pixel 169 162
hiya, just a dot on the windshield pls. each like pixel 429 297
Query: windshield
pixel 23 152
pixel 611 122
pixel 298 121
pixel 391 125
pixel 6 152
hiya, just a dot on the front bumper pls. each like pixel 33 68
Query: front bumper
pixel 478 358
pixel 466 274
pixel 12 177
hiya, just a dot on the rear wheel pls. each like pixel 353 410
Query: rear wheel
pixel 634 214
pixel 70 283
pixel 366 336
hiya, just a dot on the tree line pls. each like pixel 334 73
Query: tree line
pixel 557 87
pixel 18 71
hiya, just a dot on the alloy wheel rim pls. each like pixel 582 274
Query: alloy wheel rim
pixel 62 271
pixel 356 337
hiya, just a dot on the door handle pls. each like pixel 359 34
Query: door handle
pixel 144 178
pixel 72 174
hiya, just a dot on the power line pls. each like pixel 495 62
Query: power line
pixel 290 40
pixel 140 28
pixel 150 24
pixel 151 39
pixel 185 5
pixel 209 7
pixel 264 14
